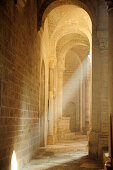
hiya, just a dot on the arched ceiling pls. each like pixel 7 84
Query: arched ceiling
pixel 70 62
pixel 79 50
pixel 69 28
pixel 66 15
pixel 71 40
pixel 47 6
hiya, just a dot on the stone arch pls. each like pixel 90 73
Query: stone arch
pixel 59 35
pixel 62 52
pixel 69 26
pixel 48 6
pixel 66 48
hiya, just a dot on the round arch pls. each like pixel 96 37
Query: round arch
pixel 67 30
pixel 67 47
pixel 48 6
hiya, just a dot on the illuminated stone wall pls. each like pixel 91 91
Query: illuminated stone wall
pixel 19 78
pixel 23 49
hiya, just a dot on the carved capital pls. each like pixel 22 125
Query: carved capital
pixel 52 64
pixel 110 4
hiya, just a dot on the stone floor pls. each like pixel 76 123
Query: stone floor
pixel 71 155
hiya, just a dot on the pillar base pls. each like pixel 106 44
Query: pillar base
pixel 50 140
pixel 97 143
pixel 93 144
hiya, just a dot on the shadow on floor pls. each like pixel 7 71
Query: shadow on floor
pixel 84 163
pixel 66 156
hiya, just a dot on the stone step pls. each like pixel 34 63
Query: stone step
pixel 71 136
pixel 72 149
pixel 78 145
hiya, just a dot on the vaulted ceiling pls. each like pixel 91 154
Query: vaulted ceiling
pixel 69 28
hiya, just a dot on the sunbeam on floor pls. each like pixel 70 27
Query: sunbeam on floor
pixel 66 156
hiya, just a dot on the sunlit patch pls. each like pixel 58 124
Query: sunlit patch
pixel 90 58
pixel 13 161
pixel 73 82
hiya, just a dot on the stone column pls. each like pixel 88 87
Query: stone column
pixel 87 99
pixel 60 92
pixel 97 136
pixel 103 45
pixel 51 103
pixel 84 104
pixel 81 105
pixel 59 101
pixel 110 63
pixel 55 103
pixel 96 89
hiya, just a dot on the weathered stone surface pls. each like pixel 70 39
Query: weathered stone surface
pixel 68 155
pixel 19 83
pixel 35 66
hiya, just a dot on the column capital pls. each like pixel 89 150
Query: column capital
pixel 51 58
pixel 110 4
pixel 52 63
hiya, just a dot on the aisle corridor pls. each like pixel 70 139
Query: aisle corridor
pixel 56 84
pixel 71 155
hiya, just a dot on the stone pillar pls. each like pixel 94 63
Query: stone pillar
pixel 103 136
pixel 110 63
pixel 88 98
pixel 81 105
pixel 55 103
pixel 59 101
pixel 96 89
pixel 97 137
pixel 51 103
pixel 84 104
pixel 60 92
pixel 88 85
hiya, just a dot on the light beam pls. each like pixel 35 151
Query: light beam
pixel 14 162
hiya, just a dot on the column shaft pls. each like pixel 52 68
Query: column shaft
pixel 51 105
pixel 81 106
pixel 110 65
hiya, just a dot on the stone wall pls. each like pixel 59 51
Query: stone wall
pixel 21 55
pixel 19 82
pixel 98 138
